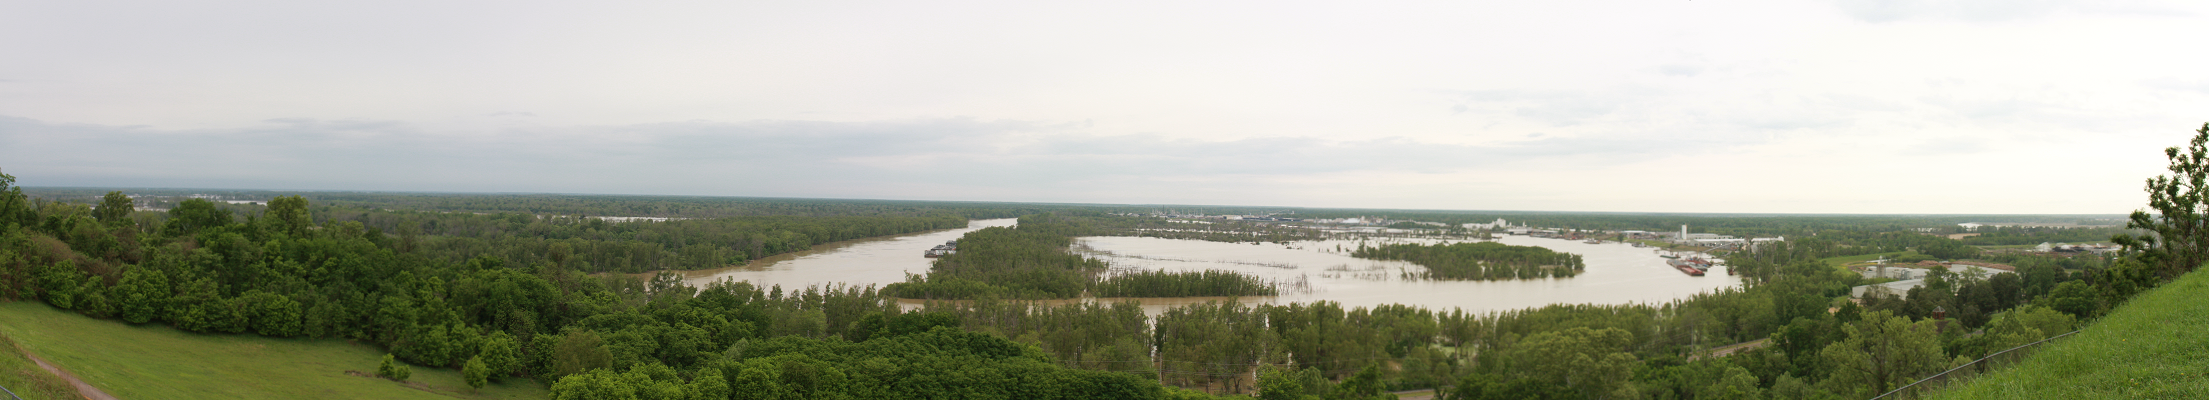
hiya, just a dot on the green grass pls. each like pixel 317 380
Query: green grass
pixel 2154 347
pixel 26 379
pixel 158 362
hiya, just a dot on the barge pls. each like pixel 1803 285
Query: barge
pixel 947 248
pixel 1684 267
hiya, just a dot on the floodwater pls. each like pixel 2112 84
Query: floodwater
pixel 1315 270
pixel 1309 271
pixel 874 261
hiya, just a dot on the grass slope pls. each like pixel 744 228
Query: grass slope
pixel 26 379
pixel 2154 347
pixel 158 362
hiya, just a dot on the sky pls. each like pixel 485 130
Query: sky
pixel 1884 106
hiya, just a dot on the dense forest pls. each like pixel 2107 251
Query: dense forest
pixel 1478 260
pixel 519 292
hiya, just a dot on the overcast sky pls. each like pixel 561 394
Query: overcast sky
pixel 1995 106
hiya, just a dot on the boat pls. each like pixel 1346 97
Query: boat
pixel 1684 267
pixel 1594 241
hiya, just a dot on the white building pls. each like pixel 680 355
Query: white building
pixel 1896 289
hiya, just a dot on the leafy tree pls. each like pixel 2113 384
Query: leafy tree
pixel 1280 384
pixel 15 208
pixel 580 351
pixel 1736 383
pixel 393 370
pixel 708 386
pixel 143 293
pixel 1479 386
pixel 193 215
pixel 2179 242
pixel 114 209
pixel 1592 362
pixel 476 372
pixel 290 214
pixel 2075 298
pixel 1882 352
pixel 598 384
pixel 1366 385
pixel 498 354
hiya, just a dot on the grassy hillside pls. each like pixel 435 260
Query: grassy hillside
pixel 157 362
pixel 26 379
pixel 2155 347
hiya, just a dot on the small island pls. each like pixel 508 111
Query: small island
pixel 1479 261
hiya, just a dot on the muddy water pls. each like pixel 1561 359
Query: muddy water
pixel 875 261
pixel 1311 271
pixel 1616 274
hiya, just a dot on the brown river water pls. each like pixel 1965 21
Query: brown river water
pixel 1310 271
pixel 876 261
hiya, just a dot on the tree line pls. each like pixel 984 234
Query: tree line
pixel 1478 260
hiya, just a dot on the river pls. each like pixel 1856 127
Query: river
pixel 1315 270
pixel 1616 274
pixel 875 261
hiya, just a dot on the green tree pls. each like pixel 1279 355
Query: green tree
pixel 580 351
pixel 1365 385
pixel 393 370
pixel 476 372
pixel 498 354
pixel 114 209
pixel 1593 362
pixel 1883 351
pixel 1736 384
pixel 15 208
pixel 290 214
pixel 193 215
pixel 598 384
pixel 2075 298
pixel 143 292
pixel 708 385
pixel 2179 238
pixel 1278 383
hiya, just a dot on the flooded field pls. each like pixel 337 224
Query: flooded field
pixel 1616 273
pixel 1310 270
pixel 877 261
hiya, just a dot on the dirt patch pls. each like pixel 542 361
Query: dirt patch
pixel 89 392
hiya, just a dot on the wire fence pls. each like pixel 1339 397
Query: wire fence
pixel 11 393
pixel 1963 373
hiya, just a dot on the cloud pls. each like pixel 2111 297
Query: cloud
pixel 2176 84
pixel 1561 107
pixel 1880 11
pixel 777 158
pixel 1680 70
